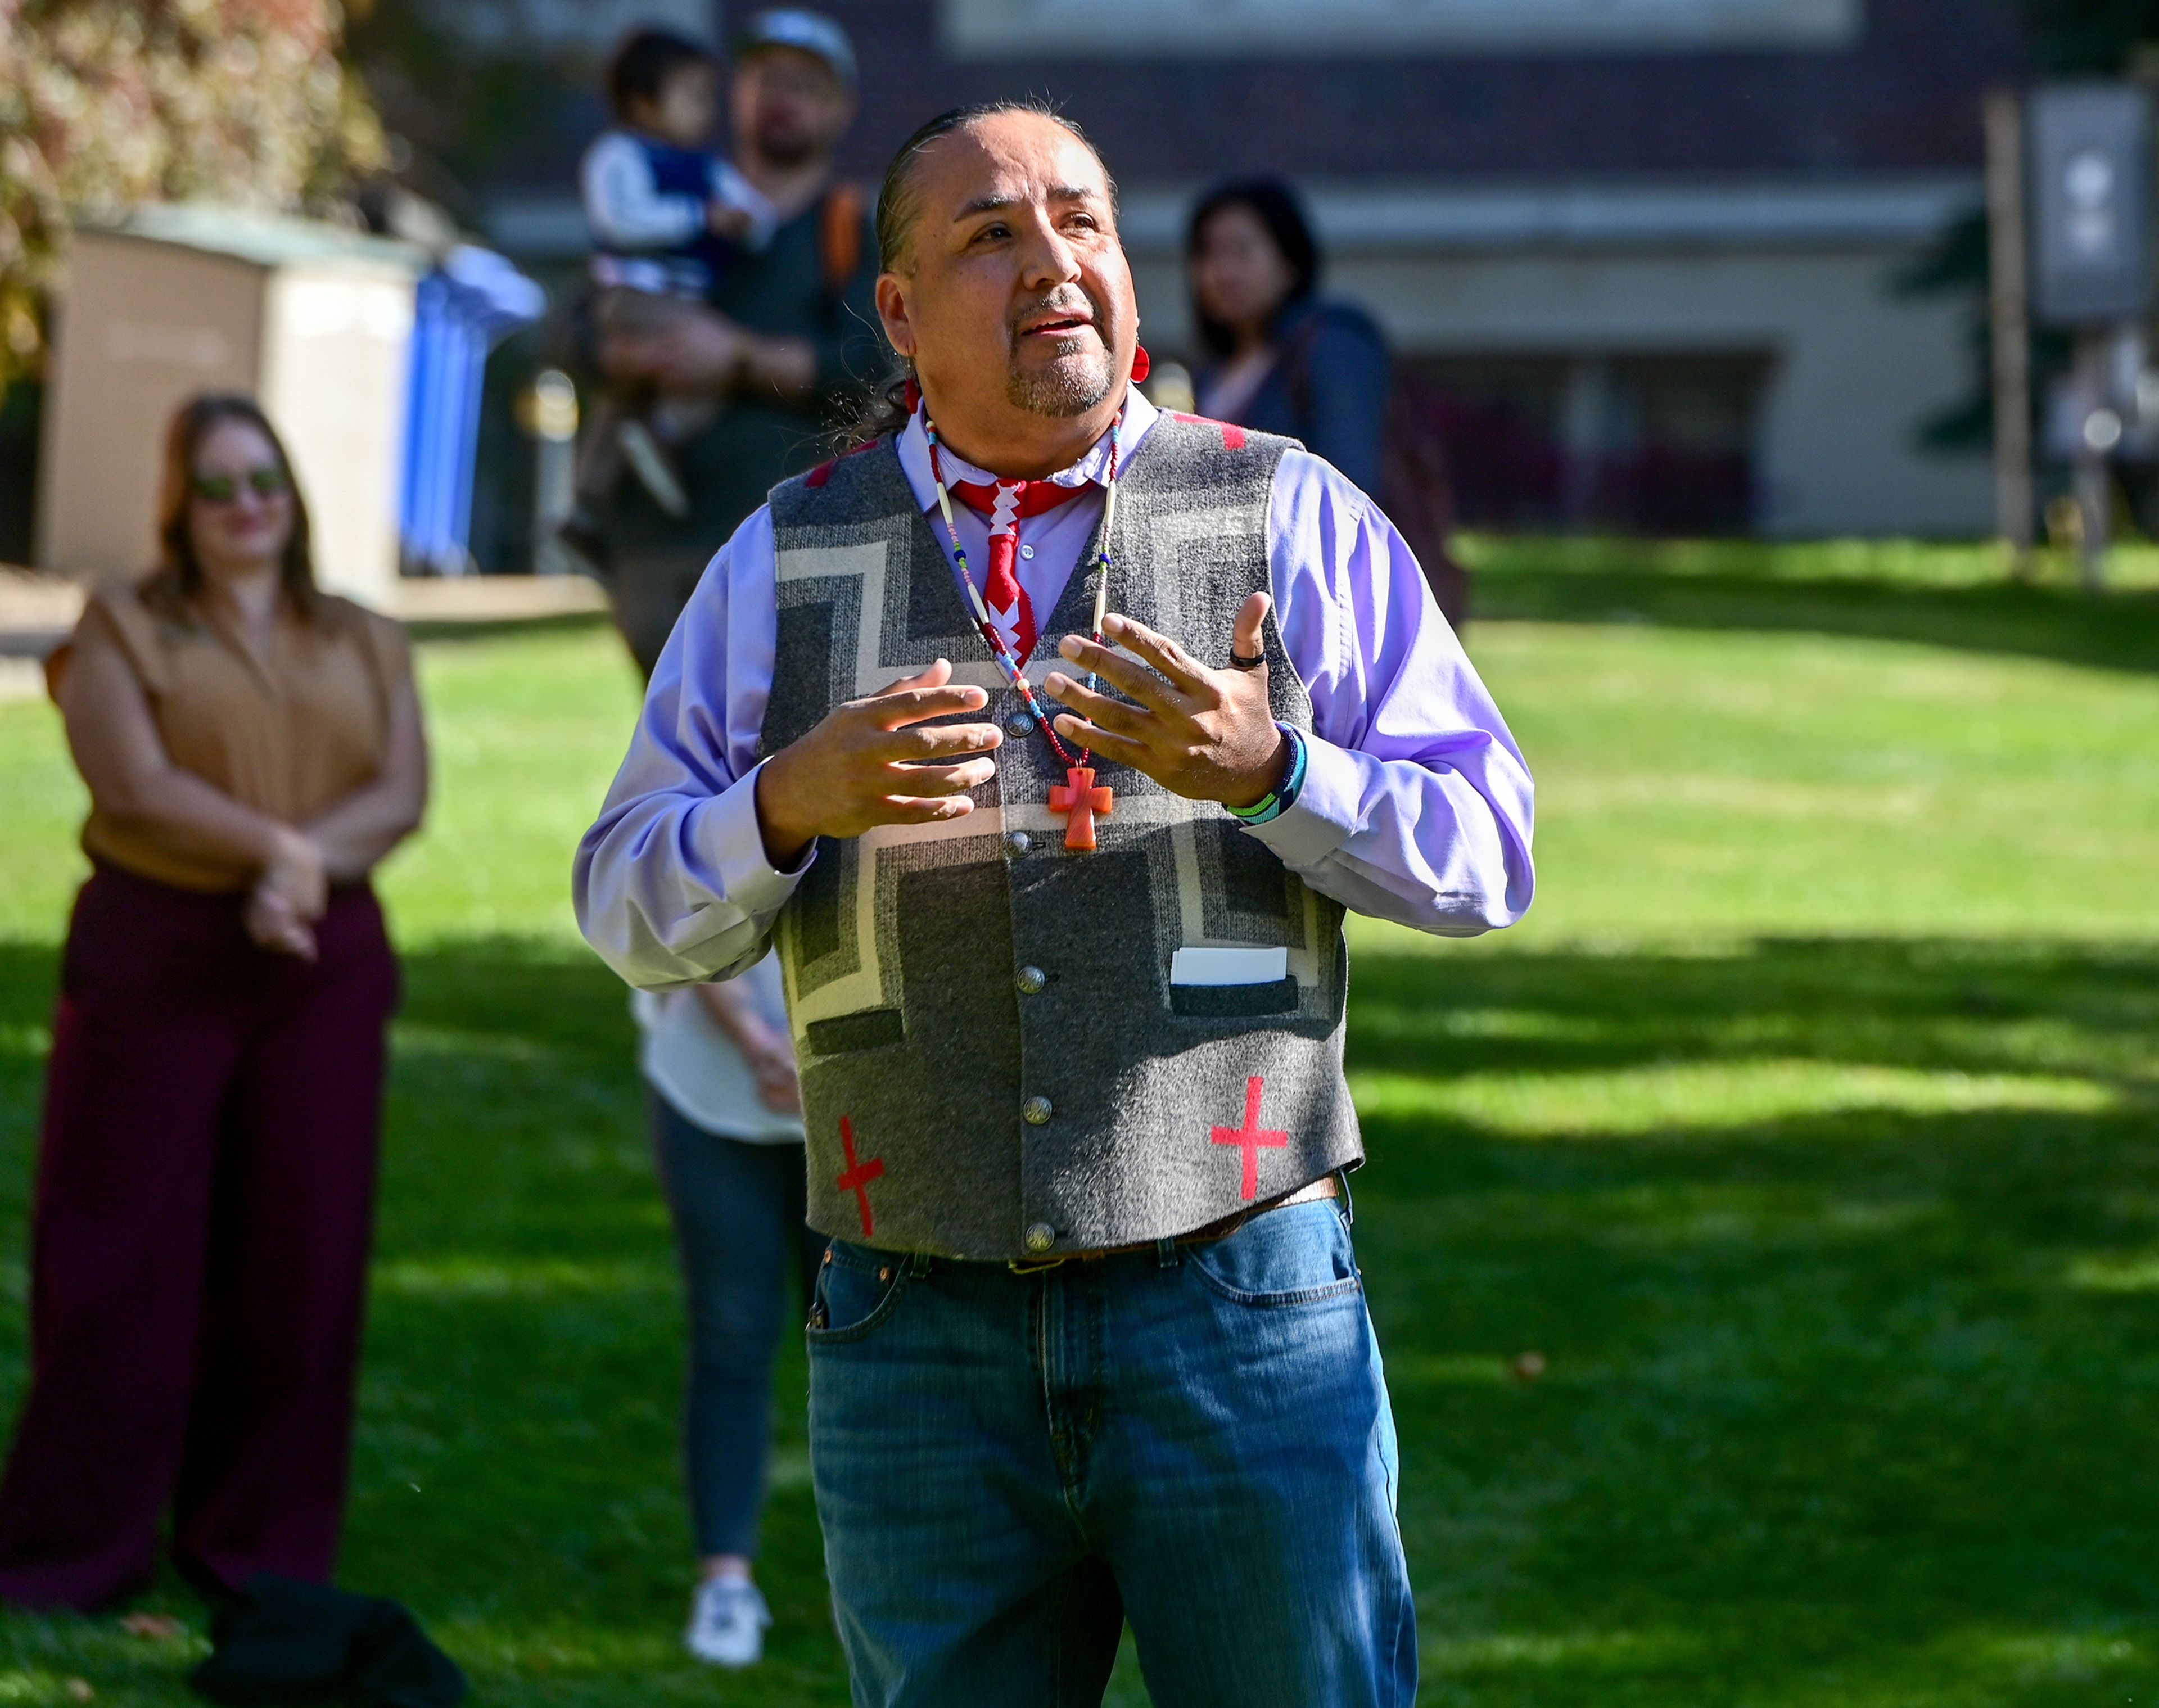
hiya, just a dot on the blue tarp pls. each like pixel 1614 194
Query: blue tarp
pixel 466 307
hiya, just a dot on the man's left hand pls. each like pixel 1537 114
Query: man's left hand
pixel 1206 734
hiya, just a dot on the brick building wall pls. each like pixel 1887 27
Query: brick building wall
pixel 1902 99
pixel 1623 262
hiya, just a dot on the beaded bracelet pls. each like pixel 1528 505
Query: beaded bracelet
pixel 1272 806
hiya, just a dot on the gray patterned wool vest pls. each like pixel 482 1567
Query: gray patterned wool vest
pixel 994 1061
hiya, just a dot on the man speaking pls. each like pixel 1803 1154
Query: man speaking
pixel 1050 737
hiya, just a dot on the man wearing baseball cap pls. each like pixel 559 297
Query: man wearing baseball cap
pixel 810 33
pixel 791 339
pixel 794 335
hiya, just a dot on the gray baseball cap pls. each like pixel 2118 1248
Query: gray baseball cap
pixel 806 31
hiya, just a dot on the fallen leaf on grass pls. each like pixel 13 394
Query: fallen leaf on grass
pixel 77 1690
pixel 163 1627
pixel 1528 1367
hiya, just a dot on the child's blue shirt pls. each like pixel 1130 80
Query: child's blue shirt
pixel 648 203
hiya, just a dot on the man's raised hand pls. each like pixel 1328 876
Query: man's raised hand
pixel 875 761
pixel 1206 734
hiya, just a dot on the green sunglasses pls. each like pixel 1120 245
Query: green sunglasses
pixel 265 482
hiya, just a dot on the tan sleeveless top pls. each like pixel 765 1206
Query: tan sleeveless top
pixel 289 732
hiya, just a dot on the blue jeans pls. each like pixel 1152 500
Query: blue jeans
pixel 1010 1466
pixel 738 1228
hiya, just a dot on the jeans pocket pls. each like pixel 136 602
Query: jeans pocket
pixel 858 1289
pixel 1299 1256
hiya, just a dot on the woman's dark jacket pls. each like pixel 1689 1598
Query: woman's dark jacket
pixel 1328 387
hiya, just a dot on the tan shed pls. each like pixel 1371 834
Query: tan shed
pixel 313 321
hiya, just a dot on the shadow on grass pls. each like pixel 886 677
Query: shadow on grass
pixel 1831 1389
pixel 1733 584
pixel 564 623
pixel 1850 1381
pixel 1969 1005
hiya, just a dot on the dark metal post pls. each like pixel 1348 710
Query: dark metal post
pixel 2009 320
pixel 2099 433
pixel 551 418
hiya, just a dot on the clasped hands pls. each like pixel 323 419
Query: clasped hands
pixel 1206 734
pixel 290 894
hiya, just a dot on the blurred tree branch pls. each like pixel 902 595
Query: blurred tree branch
pixel 468 87
pixel 107 104
pixel 2089 37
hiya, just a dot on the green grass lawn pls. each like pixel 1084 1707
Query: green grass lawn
pixel 1805 1131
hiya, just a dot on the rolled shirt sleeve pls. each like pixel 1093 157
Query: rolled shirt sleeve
pixel 1416 806
pixel 671 883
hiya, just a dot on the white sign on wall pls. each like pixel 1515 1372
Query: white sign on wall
pixel 1003 29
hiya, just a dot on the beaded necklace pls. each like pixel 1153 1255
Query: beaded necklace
pixel 1079 797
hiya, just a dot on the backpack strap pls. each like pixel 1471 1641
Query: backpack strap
pixel 840 236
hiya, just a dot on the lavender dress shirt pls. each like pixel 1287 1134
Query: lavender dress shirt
pixel 1417 805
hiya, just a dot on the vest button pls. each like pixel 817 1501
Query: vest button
pixel 1037 1110
pixel 1020 724
pixel 1030 980
pixel 1041 1237
pixel 1017 841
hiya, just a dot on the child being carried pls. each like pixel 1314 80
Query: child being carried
pixel 669 219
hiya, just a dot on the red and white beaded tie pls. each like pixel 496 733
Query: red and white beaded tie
pixel 1007 619
pixel 1007 504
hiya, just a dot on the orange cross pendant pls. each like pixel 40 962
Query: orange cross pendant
pixel 1081 800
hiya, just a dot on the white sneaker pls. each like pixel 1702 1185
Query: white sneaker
pixel 727 1617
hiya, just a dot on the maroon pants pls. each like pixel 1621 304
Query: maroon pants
pixel 205 1204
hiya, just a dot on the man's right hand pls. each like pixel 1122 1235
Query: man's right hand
pixel 870 763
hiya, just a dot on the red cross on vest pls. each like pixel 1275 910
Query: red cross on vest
pixel 1080 800
pixel 856 1176
pixel 1252 1137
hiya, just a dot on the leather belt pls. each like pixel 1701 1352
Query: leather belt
pixel 1326 1186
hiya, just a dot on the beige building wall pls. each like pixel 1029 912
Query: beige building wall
pixel 142 328
pixel 321 342
pixel 334 381
pixel 1853 369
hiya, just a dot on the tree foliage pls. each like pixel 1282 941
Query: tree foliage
pixel 107 104
pixel 2089 37
pixel 468 90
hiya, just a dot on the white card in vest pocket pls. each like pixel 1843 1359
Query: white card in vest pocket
pixel 1228 966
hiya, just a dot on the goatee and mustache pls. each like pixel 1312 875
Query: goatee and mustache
pixel 1074 382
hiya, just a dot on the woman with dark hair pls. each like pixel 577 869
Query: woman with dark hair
pixel 1285 362
pixel 206 1177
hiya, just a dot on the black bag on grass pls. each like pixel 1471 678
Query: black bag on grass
pixel 282 1641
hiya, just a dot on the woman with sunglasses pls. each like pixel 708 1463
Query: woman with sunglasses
pixel 205 1187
